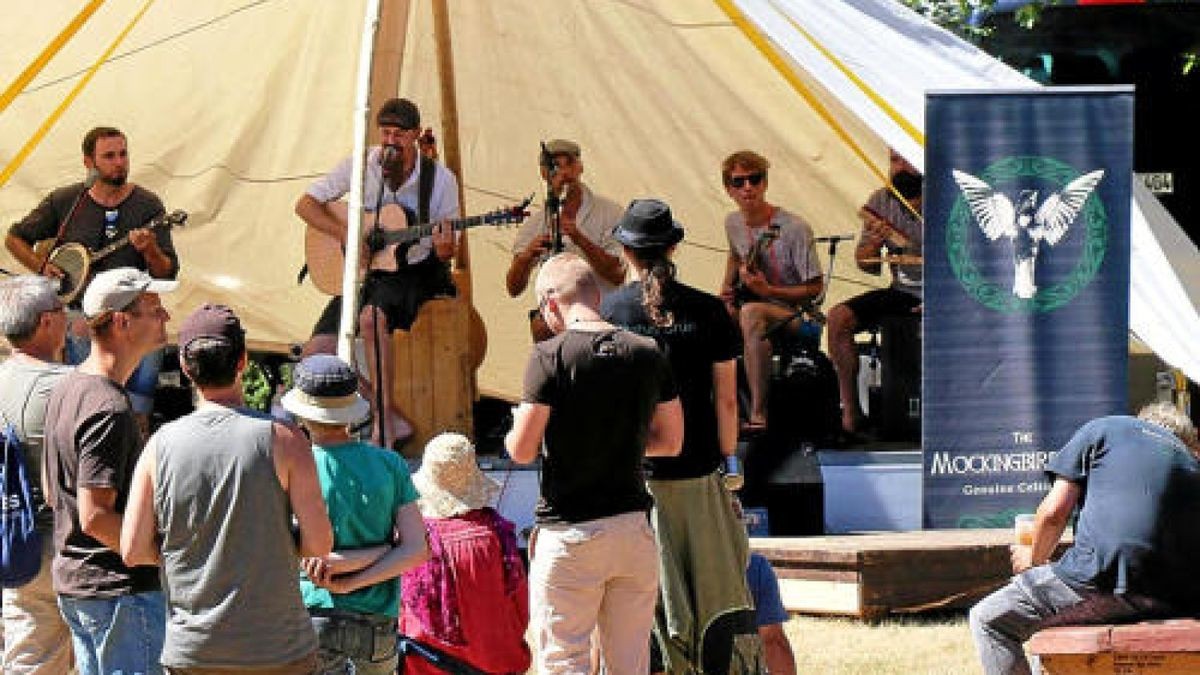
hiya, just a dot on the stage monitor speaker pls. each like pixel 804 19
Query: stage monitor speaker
pixel 900 382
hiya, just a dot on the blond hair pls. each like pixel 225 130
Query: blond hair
pixel 1167 416
pixel 569 279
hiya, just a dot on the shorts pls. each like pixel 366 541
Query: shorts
pixel 872 307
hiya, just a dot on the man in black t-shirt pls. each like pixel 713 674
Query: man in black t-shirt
pixel 109 207
pixel 116 612
pixel 1137 546
pixel 601 398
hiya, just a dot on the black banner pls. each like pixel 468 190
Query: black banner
pixel 1026 289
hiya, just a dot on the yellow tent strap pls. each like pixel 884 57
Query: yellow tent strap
pixel 31 71
pixel 781 65
pixel 37 137
pixel 887 108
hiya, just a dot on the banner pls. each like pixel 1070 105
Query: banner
pixel 1026 289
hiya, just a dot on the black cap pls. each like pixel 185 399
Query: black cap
pixel 399 112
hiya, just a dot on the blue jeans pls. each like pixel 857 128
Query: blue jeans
pixel 1035 599
pixel 141 383
pixel 117 636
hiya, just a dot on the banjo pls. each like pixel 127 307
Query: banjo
pixel 75 260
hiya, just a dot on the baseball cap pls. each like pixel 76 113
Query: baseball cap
pixel 114 290
pixel 216 322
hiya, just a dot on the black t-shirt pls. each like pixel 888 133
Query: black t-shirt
pixel 701 334
pixel 92 440
pixel 1139 525
pixel 96 226
pixel 602 388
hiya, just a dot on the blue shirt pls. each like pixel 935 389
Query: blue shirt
pixel 764 588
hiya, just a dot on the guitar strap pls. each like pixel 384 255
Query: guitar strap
pixel 425 188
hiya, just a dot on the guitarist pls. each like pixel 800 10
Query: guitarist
pixel 398 281
pixel 887 222
pixel 586 229
pixel 105 208
pixel 785 275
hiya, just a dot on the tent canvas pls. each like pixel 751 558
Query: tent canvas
pixel 233 107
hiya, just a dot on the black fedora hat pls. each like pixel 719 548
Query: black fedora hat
pixel 647 223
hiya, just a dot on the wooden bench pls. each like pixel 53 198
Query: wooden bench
pixel 1152 647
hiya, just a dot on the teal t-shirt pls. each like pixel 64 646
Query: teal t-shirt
pixel 363 486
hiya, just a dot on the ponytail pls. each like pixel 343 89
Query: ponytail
pixel 657 271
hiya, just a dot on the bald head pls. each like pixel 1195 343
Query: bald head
pixel 568 280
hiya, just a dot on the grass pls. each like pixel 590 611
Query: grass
pixel 935 644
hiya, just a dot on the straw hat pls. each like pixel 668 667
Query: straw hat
pixel 326 391
pixel 450 481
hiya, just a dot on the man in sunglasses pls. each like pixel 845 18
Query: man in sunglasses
pixel 586 224
pixel 772 272
pixel 398 281
pixel 892 219
pixel 95 213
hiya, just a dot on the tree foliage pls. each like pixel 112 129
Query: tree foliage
pixel 956 15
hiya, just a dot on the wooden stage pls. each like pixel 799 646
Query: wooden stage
pixel 871 575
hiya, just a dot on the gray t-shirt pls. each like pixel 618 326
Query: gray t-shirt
pixel 1137 531
pixel 790 260
pixel 23 397
pixel 92 441
pixel 907 278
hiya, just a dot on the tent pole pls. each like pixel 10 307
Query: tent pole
pixel 451 155
pixel 350 273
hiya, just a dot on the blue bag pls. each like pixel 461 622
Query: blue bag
pixel 21 543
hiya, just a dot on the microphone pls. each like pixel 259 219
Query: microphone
pixel 548 162
pixel 835 238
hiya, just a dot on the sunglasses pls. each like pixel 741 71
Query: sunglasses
pixel 738 181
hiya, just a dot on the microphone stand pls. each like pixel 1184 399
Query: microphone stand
pixel 553 204
pixel 820 298
pixel 374 242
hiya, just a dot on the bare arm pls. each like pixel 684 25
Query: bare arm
pixel 665 436
pixel 22 251
pixel 725 403
pixel 1051 520
pixel 524 440
pixel 98 516
pixel 780 659
pixel 298 474
pixel 608 266
pixel 139 531
pixel 731 269
pixel 410 551
pixel 318 216
pixel 346 561
pixel 522 263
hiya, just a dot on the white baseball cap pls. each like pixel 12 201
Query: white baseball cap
pixel 114 290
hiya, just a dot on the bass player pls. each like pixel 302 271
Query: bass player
pixel 765 290
pixel 399 279
pixel 97 212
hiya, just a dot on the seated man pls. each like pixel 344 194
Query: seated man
pixel 398 281
pixel 1137 546
pixel 771 273
pixel 896 224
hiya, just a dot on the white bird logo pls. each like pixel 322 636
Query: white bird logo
pixel 1027 224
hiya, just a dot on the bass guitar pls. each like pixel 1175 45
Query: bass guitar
pixel 76 260
pixel 326 257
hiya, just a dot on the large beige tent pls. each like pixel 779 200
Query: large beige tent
pixel 233 107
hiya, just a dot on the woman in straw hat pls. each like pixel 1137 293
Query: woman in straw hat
pixel 471 599
pixel 702 545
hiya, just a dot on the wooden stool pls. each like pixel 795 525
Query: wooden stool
pixel 432 385
pixel 1170 647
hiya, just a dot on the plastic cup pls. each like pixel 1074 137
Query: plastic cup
pixel 1023 528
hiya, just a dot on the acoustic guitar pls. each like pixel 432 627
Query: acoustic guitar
pixel 76 260
pixel 326 257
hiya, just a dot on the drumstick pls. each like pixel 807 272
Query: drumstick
pixel 896 259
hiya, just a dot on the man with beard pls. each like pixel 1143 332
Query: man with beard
pixel 398 281
pixel 109 207
pixel 895 223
